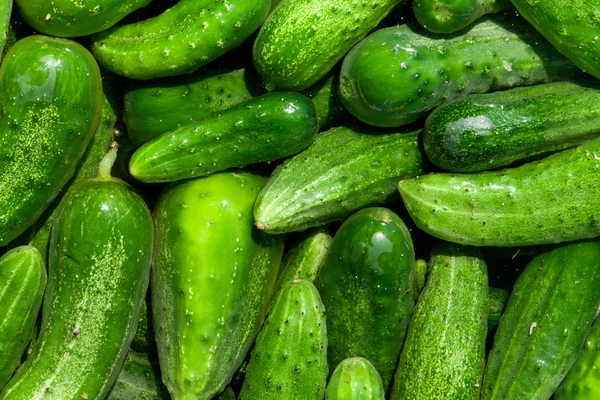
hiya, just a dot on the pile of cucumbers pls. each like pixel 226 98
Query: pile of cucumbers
pixel 299 199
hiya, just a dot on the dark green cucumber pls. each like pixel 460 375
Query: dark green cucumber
pixel 267 128
pixel 212 280
pixel 396 75
pixel 444 350
pixel 366 285
pixel 226 395
pixel 343 171
pixel 51 97
pixel 180 40
pixel 289 359
pixel 5 12
pixel 326 99
pixel 100 253
pixel 137 380
pixel 498 299
pixel 547 318
pixel 547 201
pixel 486 131
pixel 22 284
pixel 355 379
pixel 143 341
pixel 421 268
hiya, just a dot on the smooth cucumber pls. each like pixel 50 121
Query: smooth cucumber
pixel 137 380
pixel 498 299
pixel 355 379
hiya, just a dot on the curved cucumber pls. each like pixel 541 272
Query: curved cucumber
pixel 396 75
pixel 137 380
pixel 208 249
pixel 22 284
pixel 355 379
pixel 180 40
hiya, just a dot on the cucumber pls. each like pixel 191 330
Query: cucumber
pixel 137 380
pixel 205 30
pixel 22 283
pixel 498 299
pixel 16 30
pixel 326 99
pixel 366 285
pixel 143 341
pixel 5 12
pixel 207 248
pixel 355 379
pixel 343 171
pixel 226 395
pixel 289 359
pixel 415 70
pixel 487 131
pixel 302 40
pixel 444 350
pixel 421 268
pixel 44 133
pixel 100 253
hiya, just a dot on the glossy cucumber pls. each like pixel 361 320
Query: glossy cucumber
pixel 486 131
pixel 138 380
pixel 326 99
pixel 444 350
pixel 208 250
pixel 5 12
pixel 289 359
pixel 498 299
pixel 22 284
pixel 355 379
pixel 205 30
pixel 366 285
pixel 396 75
pixel 343 171
pixel 45 131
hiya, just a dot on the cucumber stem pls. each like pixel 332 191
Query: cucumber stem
pixel 107 162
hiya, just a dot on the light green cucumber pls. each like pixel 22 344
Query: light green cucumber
pixel 138 380
pixel 421 268
pixel 5 12
pixel 355 379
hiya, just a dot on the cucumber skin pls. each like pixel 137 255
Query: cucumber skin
pixel 22 284
pixel 343 171
pixel 449 16
pixel 355 379
pixel 366 287
pixel 487 131
pixel 289 359
pixel 39 154
pixel 267 128
pixel 137 380
pixel 99 267
pixel 543 202
pixel 498 299
pixel 5 12
pixel 326 99
pixel 421 268
pixel 198 223
pixel 226 395
pixel 559 291
pixel 206 30
pixel 444 350
pixel 417 70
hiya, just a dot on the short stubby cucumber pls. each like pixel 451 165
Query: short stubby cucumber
pixel 213 276
pixel 547 318
pixel 289 359
pixel 343 171
pixel 180 40
pixel 396 75
pixel 546 201
pixel 487 131
pixel 355 379
pixel 366 285
pixel 137 380
pixel 444 350
pixel 22 284
pixel 498 299
pixel 326 99
pixel 5 12
pixel 267 128
pixel 51 96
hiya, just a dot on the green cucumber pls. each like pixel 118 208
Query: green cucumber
pixel 487 131
pixel 289 359
pixel 343 171
pixel 22 284
pixel 366 285
pixel 543 202
pixel 547 318
pixel 444 350
pixel 498 299
pixel 213 276
pixel 45 131
pixel 326 99
pixel 302 40
pixel 396 75
pixel 421 268
pixel 267 128
pixel 205 30
pixel 5 12
pixel 17 29
pixel 143 341
pixel 137 380
pixel 355 379
pixel 100 253
pixel 226 395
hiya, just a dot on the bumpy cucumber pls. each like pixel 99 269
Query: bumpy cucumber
pixel 51 97
pixel 100 253
pixel 180 40
pixel 22 284
pixel 208 249
pixel 366 287
pixel 444 351
pixel 547 201
pixel 137 380
pixel 355 379
pixel 487 131
pixel 289 359
pixel 326 99
pixel 498 299
pixel 396 75
pixel 449 16
pixel 5 12
pixel 547 318
pixel 421 268
pixel 343 171
pixel 266 128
